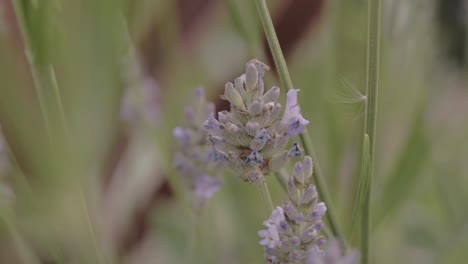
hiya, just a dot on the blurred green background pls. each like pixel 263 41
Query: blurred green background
pixel 91 90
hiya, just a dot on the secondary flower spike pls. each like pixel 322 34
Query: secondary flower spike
pixel 293 229
pixel 252 136
pixel 195 159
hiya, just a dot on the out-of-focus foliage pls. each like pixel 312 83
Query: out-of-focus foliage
pixel 84 185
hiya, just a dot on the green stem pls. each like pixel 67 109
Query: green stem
pixel 305 139
pixel 373 50
pixel 266 194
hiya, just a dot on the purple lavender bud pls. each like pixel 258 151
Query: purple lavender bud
pixel 215 156
pixel 254 157
pixel 308 167
pixel 295 128
pixel 319 211
pixel 251 76
pixel 233 96
pixel 285 228
pixel 212 124
pixel 309 194
pixel 270 237
pixel 292 191
pixel 252 128
pixel 308 235
pixel 260 140
pixel 277 216
pixel 295 241
pixel 295 151
pixel 299 219
pixel 272 95
pixel 318 226
pixel 256 107
pixel 290 211
pixel 292 118
pixel 298 172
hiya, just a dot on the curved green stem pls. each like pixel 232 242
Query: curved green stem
pixel 373 50
pixel 305 139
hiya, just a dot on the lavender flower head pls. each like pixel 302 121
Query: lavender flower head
pixel 294 228
pixel 195 159
pixel 252 136
pixel 333 254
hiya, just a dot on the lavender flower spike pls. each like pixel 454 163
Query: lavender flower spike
pixel 293 229
pixel 252 136
pixel 199 162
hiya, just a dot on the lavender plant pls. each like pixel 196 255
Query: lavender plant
pixel 251 137
pixel 294 228
pixel 195 159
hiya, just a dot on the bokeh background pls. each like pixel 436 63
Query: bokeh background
pixel 91 90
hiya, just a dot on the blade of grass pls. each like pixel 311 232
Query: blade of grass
pixel 305 139
pixel 372 81
pixel 363 185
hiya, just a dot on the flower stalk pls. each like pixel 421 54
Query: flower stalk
pixel 373 50
pixel 304 137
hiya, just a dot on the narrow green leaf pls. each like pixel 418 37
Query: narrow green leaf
pixel 372 80
pixel 363 185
